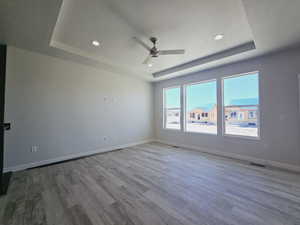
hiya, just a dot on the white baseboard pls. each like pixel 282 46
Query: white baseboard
pixel 72 156
pixel 271 163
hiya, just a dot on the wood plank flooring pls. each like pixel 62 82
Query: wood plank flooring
pixel 152 184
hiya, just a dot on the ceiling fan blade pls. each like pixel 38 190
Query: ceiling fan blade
pixel 142 43
pixel 148 59
pixel 172 52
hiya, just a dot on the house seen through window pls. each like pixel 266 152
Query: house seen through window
pixel 241 105
pixel 201 107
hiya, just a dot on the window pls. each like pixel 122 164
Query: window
pixel 201 100
pixel 252 115
pixel 241 105
pixel 172 108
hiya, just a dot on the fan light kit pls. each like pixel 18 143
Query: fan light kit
pixel 155 52
pixel 95 43
pixel 219 37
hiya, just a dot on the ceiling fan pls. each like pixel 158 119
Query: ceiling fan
pixel 154 52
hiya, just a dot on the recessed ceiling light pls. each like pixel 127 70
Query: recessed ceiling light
pixel 150 65
pixel 95 43
pixel 219 37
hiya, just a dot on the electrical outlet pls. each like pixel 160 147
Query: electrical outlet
pixel 34 148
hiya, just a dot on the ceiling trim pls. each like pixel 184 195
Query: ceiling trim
pixel 207 59
pixel 98 60
pixel 76 51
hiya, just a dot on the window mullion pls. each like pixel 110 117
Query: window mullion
pixel 182 108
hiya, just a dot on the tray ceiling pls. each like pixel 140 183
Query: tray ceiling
pixel 66 29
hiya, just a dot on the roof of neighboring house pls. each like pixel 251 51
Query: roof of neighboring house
pixel 241 109
pixel 244 101
pixel 205 108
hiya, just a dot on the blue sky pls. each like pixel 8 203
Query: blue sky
pixel 172 96
pixel 201 95
pixel 242 89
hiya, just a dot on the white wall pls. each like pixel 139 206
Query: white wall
pixel 65 108
pixel 279 111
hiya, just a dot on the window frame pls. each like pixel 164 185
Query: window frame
pixel 220 107
pixel 164 108
pixel 258 108
pixel 185 102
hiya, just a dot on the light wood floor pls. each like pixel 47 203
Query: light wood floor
pixel 152 184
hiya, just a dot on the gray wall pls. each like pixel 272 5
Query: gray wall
pixel 279 110
pixel 299 91
pixel 66 108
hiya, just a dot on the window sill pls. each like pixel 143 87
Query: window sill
pixel 193 132
pixel 242 137
pixel 172 129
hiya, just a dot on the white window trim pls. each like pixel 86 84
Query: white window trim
pixel 258 108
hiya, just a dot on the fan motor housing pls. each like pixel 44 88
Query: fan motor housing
pixel 154 52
